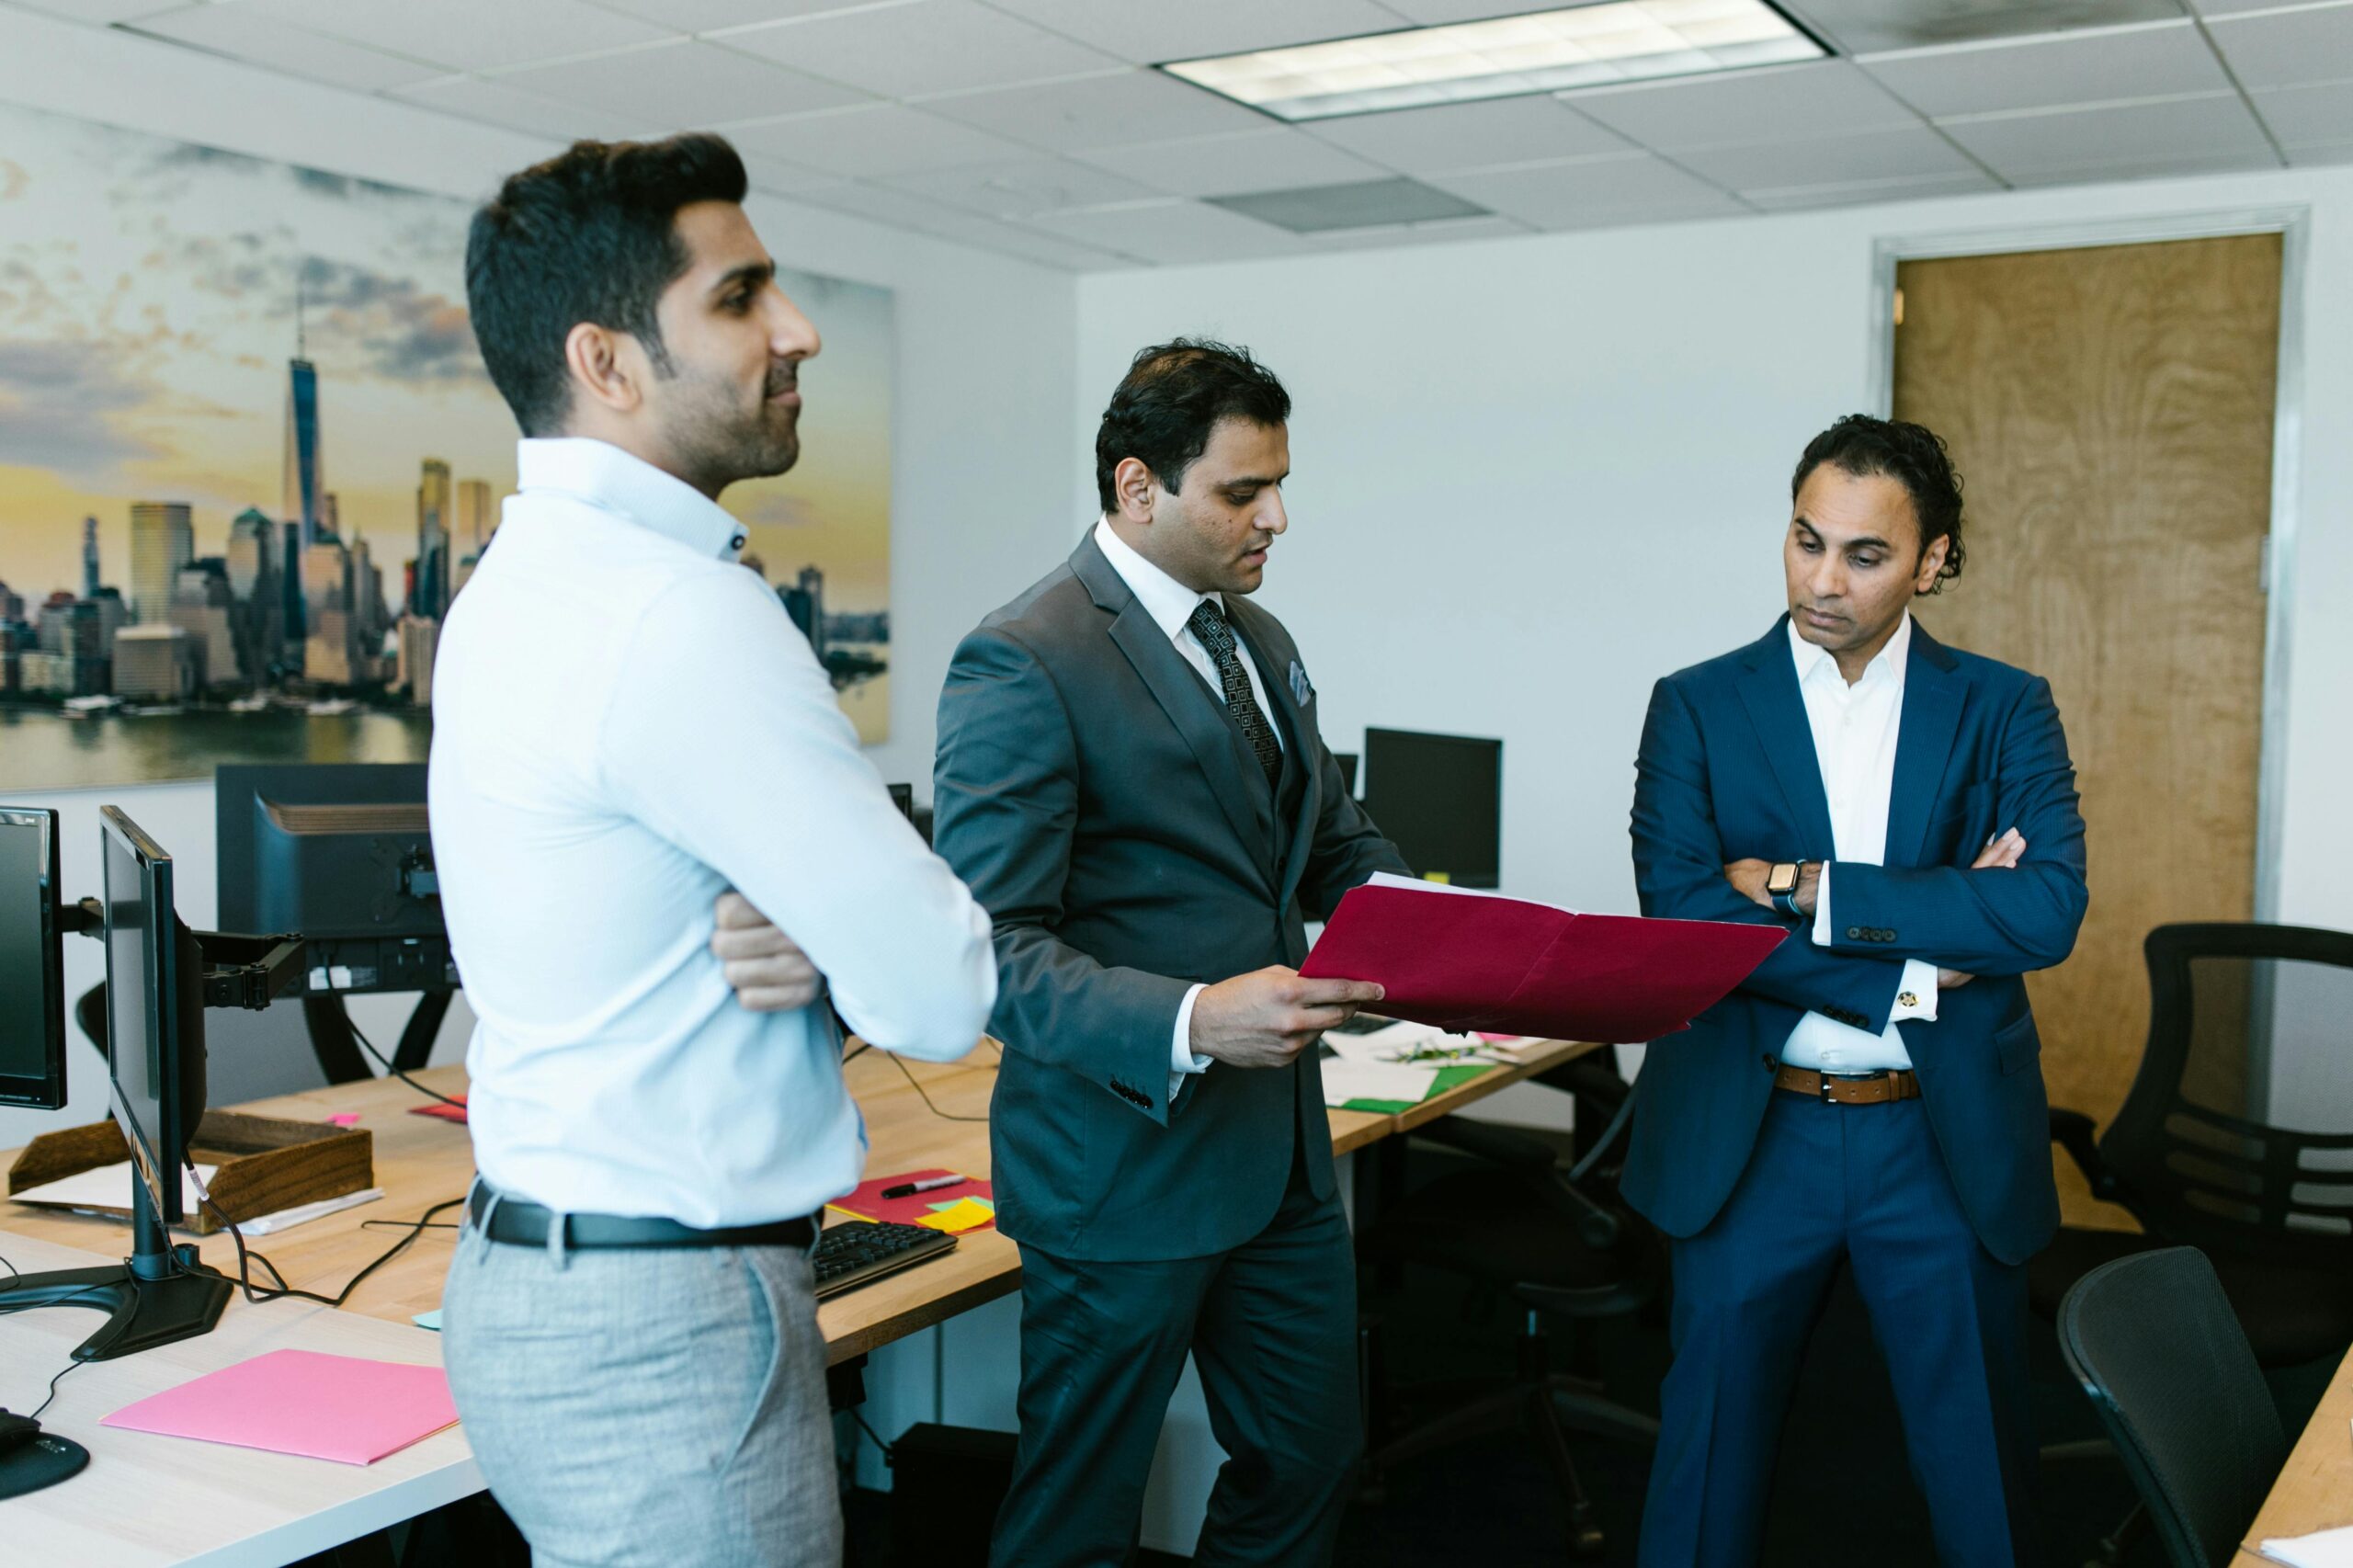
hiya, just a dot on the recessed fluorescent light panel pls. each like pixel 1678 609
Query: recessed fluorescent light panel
pixel 1541 52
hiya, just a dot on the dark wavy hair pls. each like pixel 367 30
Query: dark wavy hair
pixel 589 235
pixel 1172 397
pixel 1912 455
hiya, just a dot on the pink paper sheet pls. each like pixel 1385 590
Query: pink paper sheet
pixel 302 1401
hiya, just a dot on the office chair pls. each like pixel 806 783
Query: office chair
pixel 1555 1242
pixel 2245 1021
pixel 2155 1344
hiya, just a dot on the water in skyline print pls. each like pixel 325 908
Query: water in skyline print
pixel 249 450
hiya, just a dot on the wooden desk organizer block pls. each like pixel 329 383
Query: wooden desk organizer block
pixel 266 1165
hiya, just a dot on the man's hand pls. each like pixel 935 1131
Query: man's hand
pixel 1267 1018
pixel 1748 879
pixel 2000 854
pixel 767 973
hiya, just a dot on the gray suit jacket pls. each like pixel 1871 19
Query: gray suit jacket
pixel 1105 808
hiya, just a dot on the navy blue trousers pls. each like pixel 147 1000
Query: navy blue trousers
pixel 1830 1184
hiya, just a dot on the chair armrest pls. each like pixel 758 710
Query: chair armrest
pixel 1587 1078
pixel 2075 1132
pixel 1515 1152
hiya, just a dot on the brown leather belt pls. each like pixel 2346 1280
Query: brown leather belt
pixel 1868 1088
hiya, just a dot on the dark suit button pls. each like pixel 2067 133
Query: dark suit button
pixel 1144 1100
pixel 1888 935
pixel 1854 933
pixel 1773 1062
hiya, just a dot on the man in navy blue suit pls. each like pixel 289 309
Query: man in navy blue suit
pixel 1873 1094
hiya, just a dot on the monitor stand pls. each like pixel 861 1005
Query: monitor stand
pixel 159 1294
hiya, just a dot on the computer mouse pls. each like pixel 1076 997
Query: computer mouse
pixel 15 1429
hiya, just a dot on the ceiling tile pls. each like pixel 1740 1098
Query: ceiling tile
pixel 2178 167
pixel 2016 146
pixel 1445 232
pixel 1432 13
pixel 1234 165
pixel 2288 47
pixel 1172 233
pixel 2327 153
pixel 916 216
pixel 1863 25
pixel 704 15
pixel 925 46
pixel 98 11
pixel 247 35
pixel 1593 191
pixel 1857 193
pixel 1471 136
pixel 1098 112
pixel 1153 32
pixel 1022 189
pixel 496 103
pixel 685 82
pixel 468 35
pixel 874 141
pixel 1827 98
pixel 1824 160
pixel 779 178
pixel 2047 73
pixel 2308 116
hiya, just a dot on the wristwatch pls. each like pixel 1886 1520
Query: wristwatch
pixel 1781 886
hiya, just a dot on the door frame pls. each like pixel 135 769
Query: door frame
pixel 2293 225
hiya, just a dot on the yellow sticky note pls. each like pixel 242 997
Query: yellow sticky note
pixel 1440 877
pixel 959 1217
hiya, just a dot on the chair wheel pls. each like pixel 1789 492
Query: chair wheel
pixel 1585 1535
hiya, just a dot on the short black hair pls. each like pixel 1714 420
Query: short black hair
pixel 589 235
pixel 1172 397
pixel 1912 455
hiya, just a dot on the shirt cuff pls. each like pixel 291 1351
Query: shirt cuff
pixel 1182 1063
pixel 1915 997
pixel 1821 908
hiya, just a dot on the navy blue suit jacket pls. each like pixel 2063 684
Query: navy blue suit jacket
pixel 1728 772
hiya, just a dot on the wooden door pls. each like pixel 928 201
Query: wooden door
pixel 2110 413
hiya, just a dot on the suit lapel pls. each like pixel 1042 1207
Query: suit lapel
pixel 1189 704
pixel 1272 650
pixel 1769 689
pixel 1933 693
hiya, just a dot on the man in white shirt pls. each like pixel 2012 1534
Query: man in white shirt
pixel 1872 1094
pixel 627 727
pixel 1131 778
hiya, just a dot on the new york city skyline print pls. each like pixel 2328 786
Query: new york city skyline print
pixel 249 457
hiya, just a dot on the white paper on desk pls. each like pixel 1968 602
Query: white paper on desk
pixel 2322 1549
pixel 109 1187
pixel 303 1213
pixel 1345 1080
pixel 1398 1041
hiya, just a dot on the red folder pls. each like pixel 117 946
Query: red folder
pixel 1466 961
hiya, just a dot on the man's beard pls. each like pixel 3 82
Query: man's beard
pixel 715 440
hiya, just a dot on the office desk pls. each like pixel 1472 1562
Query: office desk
pixel 2315 1491
pixel 153 1500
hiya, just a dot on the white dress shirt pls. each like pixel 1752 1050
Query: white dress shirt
pixel 1171 605
pixel 1854 731
pixel 626 724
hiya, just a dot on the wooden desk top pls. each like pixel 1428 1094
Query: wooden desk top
pixel 148 1500
pixel 422 1160
pixel 2314 1492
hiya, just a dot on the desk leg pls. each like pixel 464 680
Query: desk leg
pixel 337 1046
pixel 1380 1187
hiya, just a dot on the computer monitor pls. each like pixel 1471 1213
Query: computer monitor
pixel 904 797
pixel 32 979
pixel 342 853
pixel 1439 800
pixel 154 1011
pixel 1348 761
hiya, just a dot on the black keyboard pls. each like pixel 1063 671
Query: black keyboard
pixel 858 1252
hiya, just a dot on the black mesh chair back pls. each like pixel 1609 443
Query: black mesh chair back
pixel 2155 1343
pixel 2237 1135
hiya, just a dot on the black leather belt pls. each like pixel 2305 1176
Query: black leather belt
pixel 518 1223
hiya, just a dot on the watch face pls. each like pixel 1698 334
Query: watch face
pixel 1784 879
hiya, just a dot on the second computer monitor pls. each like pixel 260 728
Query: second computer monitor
pixel 154 1010
pixel 1439 800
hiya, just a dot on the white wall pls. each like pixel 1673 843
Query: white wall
pixel 1532 475
pixel 979 431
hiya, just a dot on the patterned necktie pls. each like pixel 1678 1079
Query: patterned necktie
pixel 1208 624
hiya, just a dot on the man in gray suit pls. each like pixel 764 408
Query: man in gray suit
pixel 1130 781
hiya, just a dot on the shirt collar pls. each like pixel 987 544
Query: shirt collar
pixel 612 481
pixel 1167 601
pixel 1888 664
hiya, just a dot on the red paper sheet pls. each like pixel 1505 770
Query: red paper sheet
pixel 868 1202
pixel 455 1113
pixel 1467 962
pixel 303 1401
